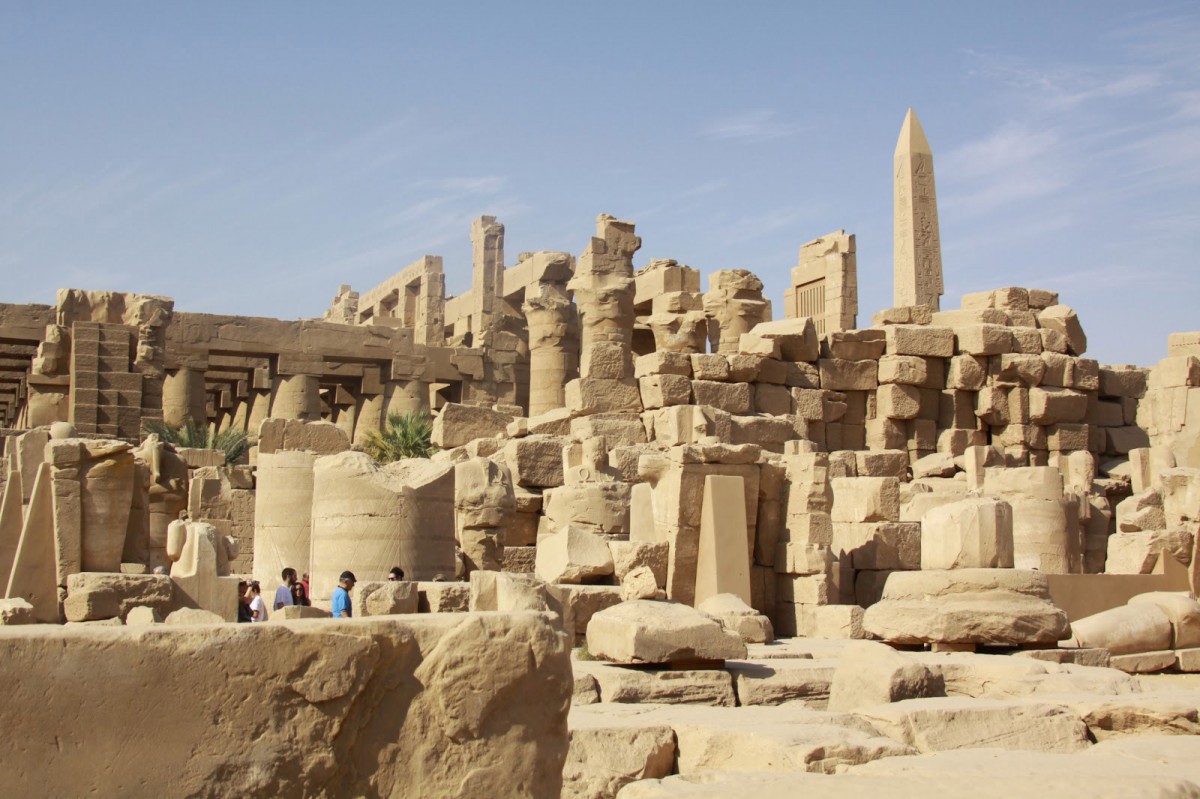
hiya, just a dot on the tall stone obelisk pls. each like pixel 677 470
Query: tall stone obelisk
pixel 918 247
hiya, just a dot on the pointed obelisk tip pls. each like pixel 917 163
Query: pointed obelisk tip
pixel 912 136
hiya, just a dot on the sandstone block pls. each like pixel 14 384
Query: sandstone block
pixel 457 425
pixel 985 339
pixel 573 555
pixel 660 391
pixel 443 597
pixel 645 631
pixel 870 673
pixel 908 370
pixel 662 362
pixel 602 760
pixel 536 461
pixel 384 597
pixel 601 395
pixel 97 595
pixel 1063 319
pixel 980 606
pixel 797 337
pixel 939 724
pixel 839 375
pixel 16 611
pixel 735 398
pixel 738 617
pixel 322 438
pixel 897 401
pixel 974 533
pixel 865 499
pixel 854 345
pixel 286 613
pixel 710 366
pixel 931 342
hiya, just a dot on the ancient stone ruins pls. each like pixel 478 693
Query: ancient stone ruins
pixel 667 544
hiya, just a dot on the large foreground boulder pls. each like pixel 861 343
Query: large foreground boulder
pixel 646 631
pixel 438 705
pixel 966 606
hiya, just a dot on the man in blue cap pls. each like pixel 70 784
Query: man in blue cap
pixel 342 608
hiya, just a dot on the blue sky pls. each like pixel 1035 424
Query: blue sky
pixel 248 158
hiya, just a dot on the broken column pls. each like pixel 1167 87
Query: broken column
pixel 553 339
pixel 734 304
pixel 483 508
pixel 368 518
pixel 603 287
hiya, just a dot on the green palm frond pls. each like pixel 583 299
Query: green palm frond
pixel 190 435
pixel 406 435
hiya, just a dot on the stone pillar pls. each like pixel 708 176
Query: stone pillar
pixel 184 397
pixel 282 515
pixel 487 277
pixel 296 397
pixel 734 304
pixel 604 290
pixel 676 317
pixel 369 418
pixel 917 251
pixel 550 317
pixel 406 396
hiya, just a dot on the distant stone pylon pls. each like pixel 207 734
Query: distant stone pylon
pixel 917 278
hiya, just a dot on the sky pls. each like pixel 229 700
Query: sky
pixel 248 158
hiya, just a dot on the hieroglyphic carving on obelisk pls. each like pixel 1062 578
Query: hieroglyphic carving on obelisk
pixel 918 247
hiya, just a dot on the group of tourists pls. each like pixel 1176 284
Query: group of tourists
pixel 293 590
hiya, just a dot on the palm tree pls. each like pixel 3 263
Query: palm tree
pixel 406 435
pixel 190 435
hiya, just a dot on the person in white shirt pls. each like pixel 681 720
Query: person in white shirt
pixel 258 608
pixel 283 594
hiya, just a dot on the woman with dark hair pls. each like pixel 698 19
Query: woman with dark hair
pixel 299 594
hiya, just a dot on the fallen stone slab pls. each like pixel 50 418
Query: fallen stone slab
pixel 101 595
pixel 602 760
pixel 870 673
pixel 647 631
pixel 773 681
pixel 938 724
pixel 1159 713
pixel 660 686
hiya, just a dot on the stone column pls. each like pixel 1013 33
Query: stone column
pixel 368 518
pixel 297 397
pixel 282 515
pixel 550 317
pixel 734 304
pixel 604 290
pixel 184 397
pixel 406 396
pixel 487 280
pixel 369 418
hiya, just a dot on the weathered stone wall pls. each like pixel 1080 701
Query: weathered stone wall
pixel 309 708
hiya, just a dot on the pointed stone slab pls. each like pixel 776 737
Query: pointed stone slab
pixel 11 520
pixel 917 254
pixel 723 561
pixel 34 576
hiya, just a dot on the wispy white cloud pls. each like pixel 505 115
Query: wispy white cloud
pixel 758 125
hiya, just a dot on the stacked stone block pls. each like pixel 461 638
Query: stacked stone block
pixel 106 396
